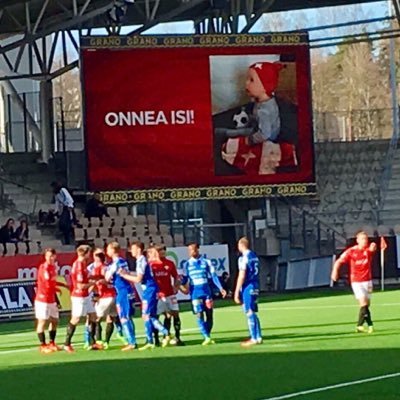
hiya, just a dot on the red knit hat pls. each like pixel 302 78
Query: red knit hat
pixel 268 74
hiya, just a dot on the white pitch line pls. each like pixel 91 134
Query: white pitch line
pixel 267 308
pixel 78 344
pixel 331 387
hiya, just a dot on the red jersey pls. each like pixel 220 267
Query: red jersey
pixel 359 262
pixel 104 289
pixel 164 271
pixel 46 283
pixel 79 274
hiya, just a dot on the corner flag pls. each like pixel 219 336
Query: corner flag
pixel 383 246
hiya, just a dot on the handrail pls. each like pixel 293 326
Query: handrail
pixel 387 171
pixel 313 216
pixel 19 185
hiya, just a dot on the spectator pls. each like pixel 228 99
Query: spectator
pixel 95 208
pixel 226 282
pixel 65 210
pixel 7 234
pixel 47 217
pixel 22 232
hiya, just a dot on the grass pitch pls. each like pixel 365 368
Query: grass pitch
pixel 309 343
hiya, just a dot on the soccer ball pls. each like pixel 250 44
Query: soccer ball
pixel 241 119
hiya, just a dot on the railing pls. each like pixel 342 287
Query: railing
pixel 6 202
pixel 387 171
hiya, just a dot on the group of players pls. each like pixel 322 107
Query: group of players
pixel 103 290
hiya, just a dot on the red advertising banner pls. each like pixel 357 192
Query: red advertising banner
pixel 24 267
pixel 197 117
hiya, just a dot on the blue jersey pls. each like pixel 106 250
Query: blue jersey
pixel 143 268
pixel 250 263
pixel 198 272
pixel 121 285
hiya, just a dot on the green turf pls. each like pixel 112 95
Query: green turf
pixel 309 343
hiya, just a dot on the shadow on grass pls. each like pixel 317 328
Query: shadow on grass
pixel 210 376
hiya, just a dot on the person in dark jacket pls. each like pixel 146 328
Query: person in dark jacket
pixel 95 208
pixel 7 234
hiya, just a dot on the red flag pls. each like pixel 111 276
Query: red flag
pixel 383 244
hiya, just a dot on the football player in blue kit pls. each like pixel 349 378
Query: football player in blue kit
pixel 144 276
pixel 247 290
pixel 124 293
pixel 197 273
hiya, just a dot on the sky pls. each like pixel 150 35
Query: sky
pixel 297 19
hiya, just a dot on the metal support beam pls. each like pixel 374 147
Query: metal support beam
pixel 41 31
pixel 167 16
pixel 46 119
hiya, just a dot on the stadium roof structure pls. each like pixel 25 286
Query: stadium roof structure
pixel 33 28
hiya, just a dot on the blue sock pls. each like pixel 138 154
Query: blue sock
pixel 252 323
pixel 128 329
pixel 118 325
pixel 203 326
pixel 86 335
pixel 148 327
pixel 159 326
pixel 258 327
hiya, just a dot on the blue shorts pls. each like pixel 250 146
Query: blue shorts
pixel 149 302
pixel 202 303
pixel 125 305
pixel 249 296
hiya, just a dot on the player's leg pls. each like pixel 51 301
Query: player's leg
pixel 102 309
pixel 209 311
pixel 110 319
pixel 173 310
pixel 92 330
pixel 362 292
pixel 124 313
pixel 77 311
pixel 42 316
pixel 86 334
pixel 54 318
pixel 109 330
pixel 249 300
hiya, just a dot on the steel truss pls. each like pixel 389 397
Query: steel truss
pixel 42 27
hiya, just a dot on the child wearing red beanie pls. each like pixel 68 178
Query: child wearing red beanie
pixel 261 83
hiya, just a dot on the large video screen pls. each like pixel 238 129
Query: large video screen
pixel 198 117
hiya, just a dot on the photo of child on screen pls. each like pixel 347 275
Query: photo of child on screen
pixel 253 146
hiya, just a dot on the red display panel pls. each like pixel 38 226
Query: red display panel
pixel 176 118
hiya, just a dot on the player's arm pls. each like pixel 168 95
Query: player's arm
pixel 344 258
pixel 215 279
pixel 175 276
pixel 128 276
pixel 132 276
pixel 372 247
pixel 239 285
pixel 184 281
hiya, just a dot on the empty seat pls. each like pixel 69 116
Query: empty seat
pixel 79 234
pixel 95 222
pixel 112 211
pixel 168 240
pixel 141 220
pixel 164 229
pixel 91 233
pixel 179 240
pixel 152 219
pixel 123 211
pixel 153 229
pixel 104 232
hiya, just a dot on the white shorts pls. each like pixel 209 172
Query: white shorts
pixel 106 306
pixel 167 304
pixel 46 311
pixel 362 289
pixel 81 306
